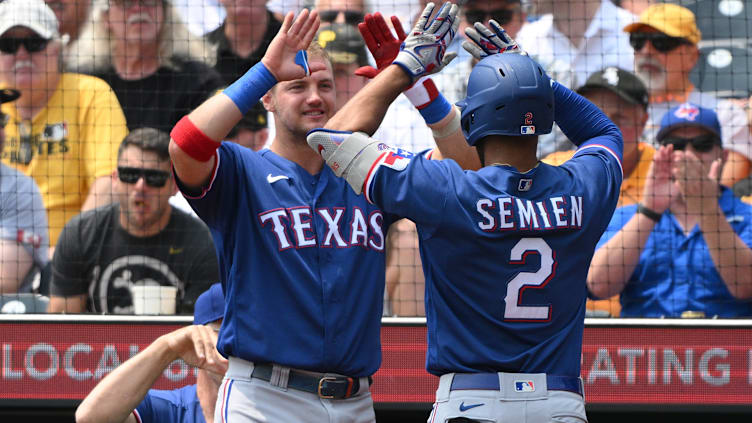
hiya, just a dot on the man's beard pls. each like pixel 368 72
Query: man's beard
pixel 654 80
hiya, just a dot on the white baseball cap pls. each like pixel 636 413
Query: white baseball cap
pixel 32 14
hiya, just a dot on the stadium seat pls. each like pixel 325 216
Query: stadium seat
pixel 722 19
pixel 724 70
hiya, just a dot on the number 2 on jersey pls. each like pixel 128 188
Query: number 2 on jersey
pixel 513 310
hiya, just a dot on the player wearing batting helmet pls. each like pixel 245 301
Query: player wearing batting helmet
pixel 506 248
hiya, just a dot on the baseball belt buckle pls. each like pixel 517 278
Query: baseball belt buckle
pixel 327 387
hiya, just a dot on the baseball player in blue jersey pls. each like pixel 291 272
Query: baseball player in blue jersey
pixel 301 256
pixel 124 394
pixel 506 248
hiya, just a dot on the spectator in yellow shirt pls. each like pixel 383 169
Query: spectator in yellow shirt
pixel 65 129
pixel 624 99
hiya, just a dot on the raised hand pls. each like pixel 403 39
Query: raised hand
pixel 380 42
pixel 424 51
pixel 699 190
pixel 659 189
pixel 486 42
pixel 196 345
pixel 285 57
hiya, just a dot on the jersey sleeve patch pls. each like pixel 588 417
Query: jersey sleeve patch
pixel 394 158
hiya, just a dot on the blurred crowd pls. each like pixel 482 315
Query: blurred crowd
pixel 90 89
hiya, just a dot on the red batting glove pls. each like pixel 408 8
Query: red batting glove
pixel 380 42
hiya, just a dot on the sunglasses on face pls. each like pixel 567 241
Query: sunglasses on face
pixel 153 177
pixel 502 16
pixel 701 144
pixel 661 42
pixel 351 17
pixel 11 45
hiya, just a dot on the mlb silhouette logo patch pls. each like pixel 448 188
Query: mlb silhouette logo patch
pixel 687 111
pixel 525 185
pixel 527 130
pixel 524 386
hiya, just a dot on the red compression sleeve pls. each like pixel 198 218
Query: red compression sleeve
pixel 193 141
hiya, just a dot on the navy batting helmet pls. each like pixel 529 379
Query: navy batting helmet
pixel 507 94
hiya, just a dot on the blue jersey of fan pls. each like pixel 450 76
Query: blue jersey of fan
pixel 301 262
pixel 506 254
pixel 178 406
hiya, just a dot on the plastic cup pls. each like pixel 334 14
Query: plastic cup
pixel 154 300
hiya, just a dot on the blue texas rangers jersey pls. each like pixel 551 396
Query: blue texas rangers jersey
pixel 506 254
pixel 301 261
pixel 176 406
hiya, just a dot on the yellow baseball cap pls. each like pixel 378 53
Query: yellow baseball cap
pixel 670 19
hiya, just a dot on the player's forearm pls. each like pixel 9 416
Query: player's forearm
pixel 614 263
pixel 451 144
pixel 731 256
pixel 214 119
pixel 365 111
pixel 120 392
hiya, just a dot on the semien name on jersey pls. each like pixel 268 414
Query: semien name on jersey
pixel 511 213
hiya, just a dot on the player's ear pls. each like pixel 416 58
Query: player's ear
pixel 266 100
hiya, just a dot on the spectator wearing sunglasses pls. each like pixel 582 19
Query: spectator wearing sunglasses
pixel 573 39
pixel 144 51
pixel 684 250
pixel 139 240
pixel 23 222
pixel 665 43
pixel 243 37
pixel 65 129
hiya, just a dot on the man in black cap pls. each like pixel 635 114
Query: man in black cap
pixel 23 221
pixel 624 99
pixel 347 50
pixel 253 129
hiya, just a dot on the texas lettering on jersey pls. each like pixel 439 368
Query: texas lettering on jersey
pixel 294 227
pixel 511 213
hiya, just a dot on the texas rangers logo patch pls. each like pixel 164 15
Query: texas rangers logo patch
pixel 524 386
pixel 397 159
pixel 687 111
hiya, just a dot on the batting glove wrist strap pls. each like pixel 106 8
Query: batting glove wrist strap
pixel 428 100
pixel 249 88
pixel 424 51
pixel 349 155
pixel 193 141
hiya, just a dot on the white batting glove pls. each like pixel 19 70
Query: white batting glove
pixel 424 51
pixel 486 42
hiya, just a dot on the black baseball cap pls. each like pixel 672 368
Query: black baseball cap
pixel 623 83
pixel 7 95
pixel 344 44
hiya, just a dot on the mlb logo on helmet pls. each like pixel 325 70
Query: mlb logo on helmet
pixel 524 386
pixel 687 111
pixel 527 130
